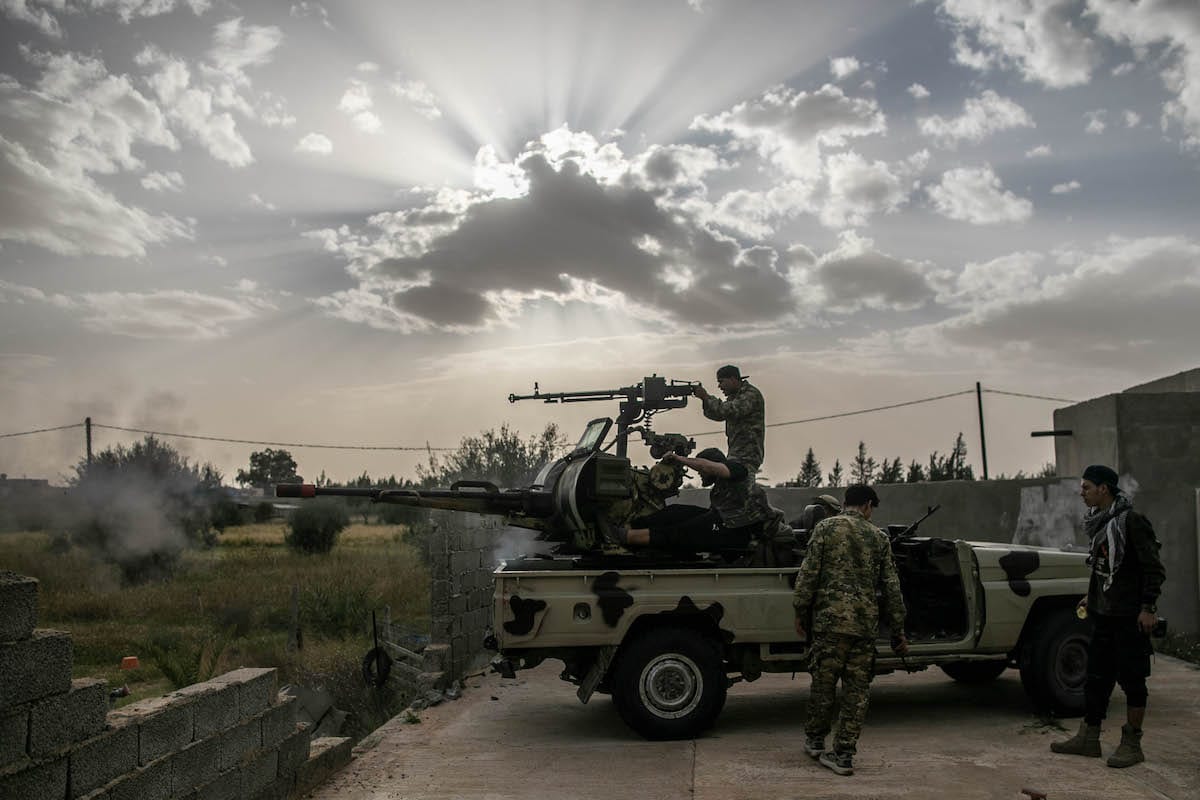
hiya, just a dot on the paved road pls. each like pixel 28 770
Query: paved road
pixel 925 737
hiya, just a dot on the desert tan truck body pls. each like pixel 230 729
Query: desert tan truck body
pixel 973 609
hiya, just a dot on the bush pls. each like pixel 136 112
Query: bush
pixel 314 527
pixel 225 514
pixel 264 512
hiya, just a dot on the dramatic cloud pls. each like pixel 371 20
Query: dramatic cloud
pixel 572 237
pixel 981 117
pixel 75 122
pixel 47 23
pixel 855 276
pixel 1045 40
pixel 315 143
pixel 154 315
pixel 858 189
pixel 788 127
pixel 1114 304
pixel 976 195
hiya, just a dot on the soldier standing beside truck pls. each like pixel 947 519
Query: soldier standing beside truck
pixel 1126 580
pixel 848 558
pixel 744 413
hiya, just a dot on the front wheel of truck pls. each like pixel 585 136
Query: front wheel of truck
pixel 1054 663
pixel 669 683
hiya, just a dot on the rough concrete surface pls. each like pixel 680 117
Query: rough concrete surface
pixel 926 736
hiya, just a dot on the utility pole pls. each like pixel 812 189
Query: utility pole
pixel 87 426
pixel 982 438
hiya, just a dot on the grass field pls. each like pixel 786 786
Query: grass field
pixel 229 607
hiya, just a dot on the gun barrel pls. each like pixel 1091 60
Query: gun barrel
pixel 474 496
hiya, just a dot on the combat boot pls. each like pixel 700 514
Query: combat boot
pixel 814 745
pixel 1129 751
pixel 841 763
pixel 1084 743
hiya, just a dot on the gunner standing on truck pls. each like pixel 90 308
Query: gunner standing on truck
pixel 744 413
pixel 848 560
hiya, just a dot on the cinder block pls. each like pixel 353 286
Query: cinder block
pixel 38 781
pixel 195 765
pixel 60 720
pixel 328 754
pixel 259 772
pixel 279 722
pixel 35 667
pixel 255 687
pixel 164 725
pixel 14 736
pixel 226 786
pixel 214 707
pixel 293 750
pixel 18 606
pixel 151 782
pixel 240 741
pixel 102 758
pixel 279 789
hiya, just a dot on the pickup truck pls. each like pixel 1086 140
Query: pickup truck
pixel 668 640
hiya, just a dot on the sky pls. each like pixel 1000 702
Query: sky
pixel 368 223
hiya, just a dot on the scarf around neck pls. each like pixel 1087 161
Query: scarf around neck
pixel 1107 532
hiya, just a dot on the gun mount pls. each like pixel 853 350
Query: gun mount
pixel 574 500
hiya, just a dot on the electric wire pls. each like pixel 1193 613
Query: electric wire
pixel 271 444
pixel 41 430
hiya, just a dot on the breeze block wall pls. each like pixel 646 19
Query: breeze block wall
pixel 228 738
pixel 462 556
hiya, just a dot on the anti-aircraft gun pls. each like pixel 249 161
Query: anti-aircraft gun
pixel 575 499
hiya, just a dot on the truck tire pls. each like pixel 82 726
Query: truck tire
pixel 669 683
pixel 974 673
pixel 1054 663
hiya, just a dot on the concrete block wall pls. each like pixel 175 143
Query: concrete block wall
pixel 230 737
pixel 463 551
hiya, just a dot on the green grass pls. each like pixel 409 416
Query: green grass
pixel 229 607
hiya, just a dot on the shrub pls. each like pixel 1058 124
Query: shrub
pixel 314 527
pixel 264 512
pixel 225 514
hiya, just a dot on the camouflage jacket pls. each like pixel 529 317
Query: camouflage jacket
pixel 848 558
pixel 738 500
pixel 744 413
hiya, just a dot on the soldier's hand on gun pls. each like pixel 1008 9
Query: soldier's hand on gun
pixel 700 391
pixel 900 645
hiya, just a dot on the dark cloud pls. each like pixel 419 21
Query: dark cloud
pixel 446 304
pixel 570 226
pixel 856 275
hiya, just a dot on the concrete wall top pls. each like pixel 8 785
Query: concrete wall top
pixel 1186 381
pixel 1094 438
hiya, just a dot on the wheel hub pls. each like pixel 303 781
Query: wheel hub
pixel 671 686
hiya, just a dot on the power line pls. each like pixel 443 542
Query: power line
pixel 41 430
pixel 271 444
pixel 853 413
pixel 1031 396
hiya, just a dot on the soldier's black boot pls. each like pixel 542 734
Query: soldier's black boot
pixel 1084 743
pixel 814 745
pixel 841 763
pixel 1129 751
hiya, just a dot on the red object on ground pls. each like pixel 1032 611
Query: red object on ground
pixel 130 662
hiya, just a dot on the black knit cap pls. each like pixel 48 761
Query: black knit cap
pixel 1102 476
pixel 711 454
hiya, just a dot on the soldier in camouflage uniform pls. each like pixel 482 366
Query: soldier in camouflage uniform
pixel 847 559
pixel 744 413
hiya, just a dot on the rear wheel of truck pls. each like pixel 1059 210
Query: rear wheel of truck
pixel 974 673
pixel 1054 663
pixel 669 683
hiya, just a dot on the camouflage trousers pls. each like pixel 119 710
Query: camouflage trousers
pixel 851 660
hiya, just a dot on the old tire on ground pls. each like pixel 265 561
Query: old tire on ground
pixel 1054 663
pixel 669 683
pixel 974 673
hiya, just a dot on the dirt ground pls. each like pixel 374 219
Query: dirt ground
pixel 926 736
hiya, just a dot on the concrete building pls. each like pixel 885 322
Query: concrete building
pixel 1150 434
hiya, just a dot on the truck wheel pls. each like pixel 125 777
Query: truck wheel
pixel 975 673
pixel 669 684
pixel 1054 663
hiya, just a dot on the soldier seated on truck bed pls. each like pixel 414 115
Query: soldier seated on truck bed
pixel 738 514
